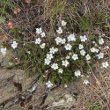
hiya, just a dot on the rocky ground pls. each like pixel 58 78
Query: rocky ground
pixel 20 92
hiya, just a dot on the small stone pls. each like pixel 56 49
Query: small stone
pixel 59 103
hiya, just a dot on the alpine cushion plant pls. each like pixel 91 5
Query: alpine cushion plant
pixel 62 57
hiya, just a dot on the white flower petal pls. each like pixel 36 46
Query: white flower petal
pixel 88 57
pixel 54 66
pixel 65 63
pixel 75 57
pixel 3 51
pixel 38 31
pixel 83 38
pixel 68 47
pixel 49 84
pixel 86 82
pixel 42 34
pixel 60 70
pixel 38 41
pixel 42 46
pixel 63 23
pixel 101 41
pixel 14 44
pixel 59 31
pixel 71 37
pixel 105 64
pixel 77 73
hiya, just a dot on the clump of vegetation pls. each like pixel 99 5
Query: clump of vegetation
pixel 60 57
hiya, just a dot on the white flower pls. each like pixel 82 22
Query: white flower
pixel 59 31
pixel 75 57
pixel 100 55
pixel 63 41
pixel 63 23
pixel 68 47
pixel 81 46
pixel 29 52
pixel 60 70
pixel 82 52
pixel 96 50
pixel 3 51
pixel 65 63
pixel 58 40
pixel 49 56
pixel 101 41
pixel 47 61
pixel 38 41
pixel 38 30
pixel 42 34
pixel 86 82
pixel 83 38
pixel 49 84
pixel 71 37
pixel 65 86
pixel 94 42
pixel 14 44
pixel 67 57
pixel 105 64
pixel 54 66
pixel 70 53
pixel 88 57
pixel 53 50
pixel 42 46
pixel 77 73
pixel 93 49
